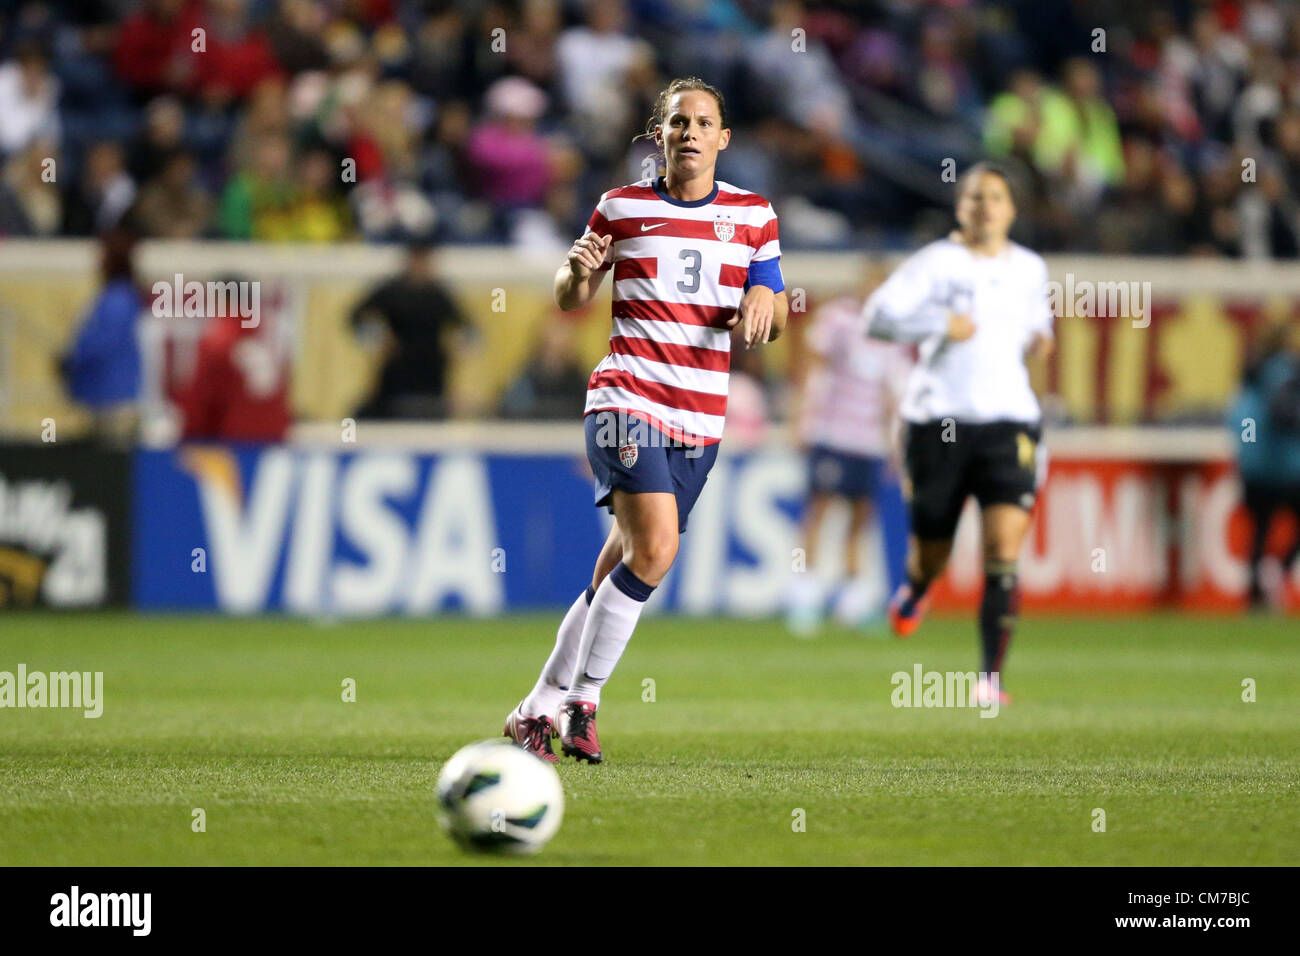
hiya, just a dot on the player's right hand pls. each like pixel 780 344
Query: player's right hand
pixel 588 254
pixel 960 327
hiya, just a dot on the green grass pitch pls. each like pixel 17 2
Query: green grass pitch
pixel 1141 716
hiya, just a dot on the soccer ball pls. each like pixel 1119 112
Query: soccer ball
pixel 493 795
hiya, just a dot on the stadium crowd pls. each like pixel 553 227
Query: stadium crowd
pixel 1162 128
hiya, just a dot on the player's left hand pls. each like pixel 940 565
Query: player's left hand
pixel 756 311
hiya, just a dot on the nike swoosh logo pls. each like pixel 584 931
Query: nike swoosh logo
pixel 644 227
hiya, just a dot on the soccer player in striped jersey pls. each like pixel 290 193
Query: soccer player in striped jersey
pixel 977 305
pixel 692 258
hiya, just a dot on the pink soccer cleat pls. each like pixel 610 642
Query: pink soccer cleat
pixel 532 733
pixel 578 731
pixel 986 690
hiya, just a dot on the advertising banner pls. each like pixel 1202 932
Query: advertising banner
pixel 63 525
pixel 396 531
pixel 399 531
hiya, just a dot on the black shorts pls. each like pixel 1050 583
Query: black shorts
pixel 997 462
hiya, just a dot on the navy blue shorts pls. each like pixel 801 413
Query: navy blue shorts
pixel 832 472
pixel 628 453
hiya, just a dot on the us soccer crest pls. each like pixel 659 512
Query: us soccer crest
pixel 724 228
pixel 627 455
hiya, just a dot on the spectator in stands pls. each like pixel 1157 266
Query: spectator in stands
pixel 534 54
pixel 266 114
pixel 296 35
pixel 1213 62
pixel 102 369
pixel 238 56
pixel 1014 117
pixel 942 82
pixel 1181 224
pixel 240 388
pixel 1266 421
pixel 163 134
pixel 29 98
pixel 1129 224
pixel 407 319
pixel 807 89
pixel 441 161
pixel 1196 82
pixel 260 197
pixel 320 213
pixel 593 57
pixel 442 53
pixel 155 47
pixel 1221 188
pixel 1269 217
pixel 508 157
pixel 30 202
pixel 103 193
pixel 174 205
pixel 553 383
pixel 1078 139
pixel 393 122
pixel 597 63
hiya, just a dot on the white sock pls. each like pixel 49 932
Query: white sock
pixel 610 621
pixel 854 602
pixel 806 592
pixel 553 682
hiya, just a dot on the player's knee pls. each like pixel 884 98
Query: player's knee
pixel 1001 553
pixel 661 551
pixel 653 554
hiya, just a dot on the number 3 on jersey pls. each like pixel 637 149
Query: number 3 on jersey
pixel 692 270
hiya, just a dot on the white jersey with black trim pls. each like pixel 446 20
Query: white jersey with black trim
pixel 983 378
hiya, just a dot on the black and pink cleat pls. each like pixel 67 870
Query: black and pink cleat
pixel 578 731
pixel 532 733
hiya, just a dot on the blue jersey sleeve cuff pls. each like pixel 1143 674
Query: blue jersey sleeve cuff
pixel 768 273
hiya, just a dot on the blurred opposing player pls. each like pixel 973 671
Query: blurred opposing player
pixel 692 259
pixel 976 304
pixel 240 388
pixel 851 389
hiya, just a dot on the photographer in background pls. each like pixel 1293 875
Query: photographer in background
pixel 407 318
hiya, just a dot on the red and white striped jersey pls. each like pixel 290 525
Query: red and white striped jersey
pixel 679 275
pixel 850 395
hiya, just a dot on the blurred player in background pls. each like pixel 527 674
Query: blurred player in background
pixel 851 388
pixel 240 388
pixel 692 259
pixel 102 369
pixel 976 304
pixel 1266 418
